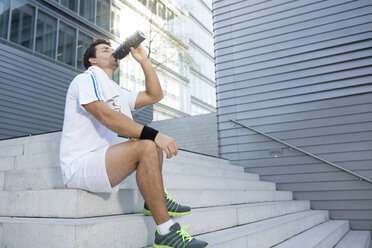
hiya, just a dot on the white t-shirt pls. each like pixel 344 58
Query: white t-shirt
pixel 82 132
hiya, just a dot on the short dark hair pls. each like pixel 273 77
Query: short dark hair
pixel 91 51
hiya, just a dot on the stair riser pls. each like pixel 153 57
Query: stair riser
pixel 9 151
pixel 336 236
pixel 50 137
pixel 275 234
pixel 78 203
pixel 50 178
pixel 324 235
pixel 135 231
pixel 355 239
pixel 2 181
pixel 240 216
pixel 47 160
pixel 7 164
pixel 54 147
pixel 261 213
pixel 51 160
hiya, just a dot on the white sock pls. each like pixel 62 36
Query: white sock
pixel 164 228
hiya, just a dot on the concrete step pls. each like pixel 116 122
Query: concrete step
pixel 181 165
pixel 54 146
pixel 324 235
pixel 49 137
pixel 355 239
pixel 51 178
pixel 75 203
pixel 136 230
pixel 266 233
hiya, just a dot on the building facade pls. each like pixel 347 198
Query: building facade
pixel 300 71
pixel 42 45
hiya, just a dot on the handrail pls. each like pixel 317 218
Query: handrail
pixel 361 178
pixel 139 110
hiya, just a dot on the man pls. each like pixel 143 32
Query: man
pixel 96 111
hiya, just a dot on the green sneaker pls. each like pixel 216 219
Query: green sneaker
pixel 177 238
pixel 174 208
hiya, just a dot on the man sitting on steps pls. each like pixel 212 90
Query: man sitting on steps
pixel 96 111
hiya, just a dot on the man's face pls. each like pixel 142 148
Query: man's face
pixel 104 57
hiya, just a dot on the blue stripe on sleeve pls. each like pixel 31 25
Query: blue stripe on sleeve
pixel 95 89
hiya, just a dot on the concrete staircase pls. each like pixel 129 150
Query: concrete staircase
pixel 231 208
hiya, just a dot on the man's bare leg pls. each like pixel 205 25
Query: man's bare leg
pixel 160 156
pixel 141 155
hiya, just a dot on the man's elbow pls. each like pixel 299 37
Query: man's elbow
pixel 161 96
pixel 157 98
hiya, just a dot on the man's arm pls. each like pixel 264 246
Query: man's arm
pixel 123 125
pixel 154 92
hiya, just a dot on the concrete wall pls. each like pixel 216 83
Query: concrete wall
pixel 302 72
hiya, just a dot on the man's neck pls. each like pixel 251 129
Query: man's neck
pixel 108 72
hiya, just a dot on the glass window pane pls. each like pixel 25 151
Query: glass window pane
pixel 4 18
pixel 152 6
pixel 71 4
pixel 116 76
pixel 103 14
pixel 115 20
pixel 46 33
pixel 161 10
pixel 83 43
pixel 66 44
pixel 170 15
pixel 22 24
pixel 87 9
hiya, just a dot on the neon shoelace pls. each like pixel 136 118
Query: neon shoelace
pixel 184 234
pixel 167 195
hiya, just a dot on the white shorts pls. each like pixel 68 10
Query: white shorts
pixel 91 174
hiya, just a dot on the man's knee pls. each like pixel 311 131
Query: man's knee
pixel 148 147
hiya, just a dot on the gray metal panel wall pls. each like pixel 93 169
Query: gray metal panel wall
pixel 32 93
pixel 197 133
pixel 302 72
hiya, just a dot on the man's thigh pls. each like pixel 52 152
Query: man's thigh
pixel 122 160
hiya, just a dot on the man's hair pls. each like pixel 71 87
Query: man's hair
pixel 91 51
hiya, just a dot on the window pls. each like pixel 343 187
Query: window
pixel 152 6
pixel 115 20
pixel 87 9
pixel 46 34
pixel 103 14
pixel 170 14
pixel 144 2
pixel 116 75
pixel 83 43
pixel 22 24
pixel 66 44
pixel 161 10
pixel 4 17
pixel 71 4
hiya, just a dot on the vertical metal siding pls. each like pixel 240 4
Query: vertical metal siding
pixel 302 72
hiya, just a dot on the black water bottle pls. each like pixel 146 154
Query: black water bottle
pixel 133 41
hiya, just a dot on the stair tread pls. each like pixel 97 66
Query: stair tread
pixel 50 178
pixel 355 239
pixel 314 236
pixel 74 203
pixel 123 231
pixel 100 219
pixel 228 234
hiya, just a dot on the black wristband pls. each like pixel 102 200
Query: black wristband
pixel 148 133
